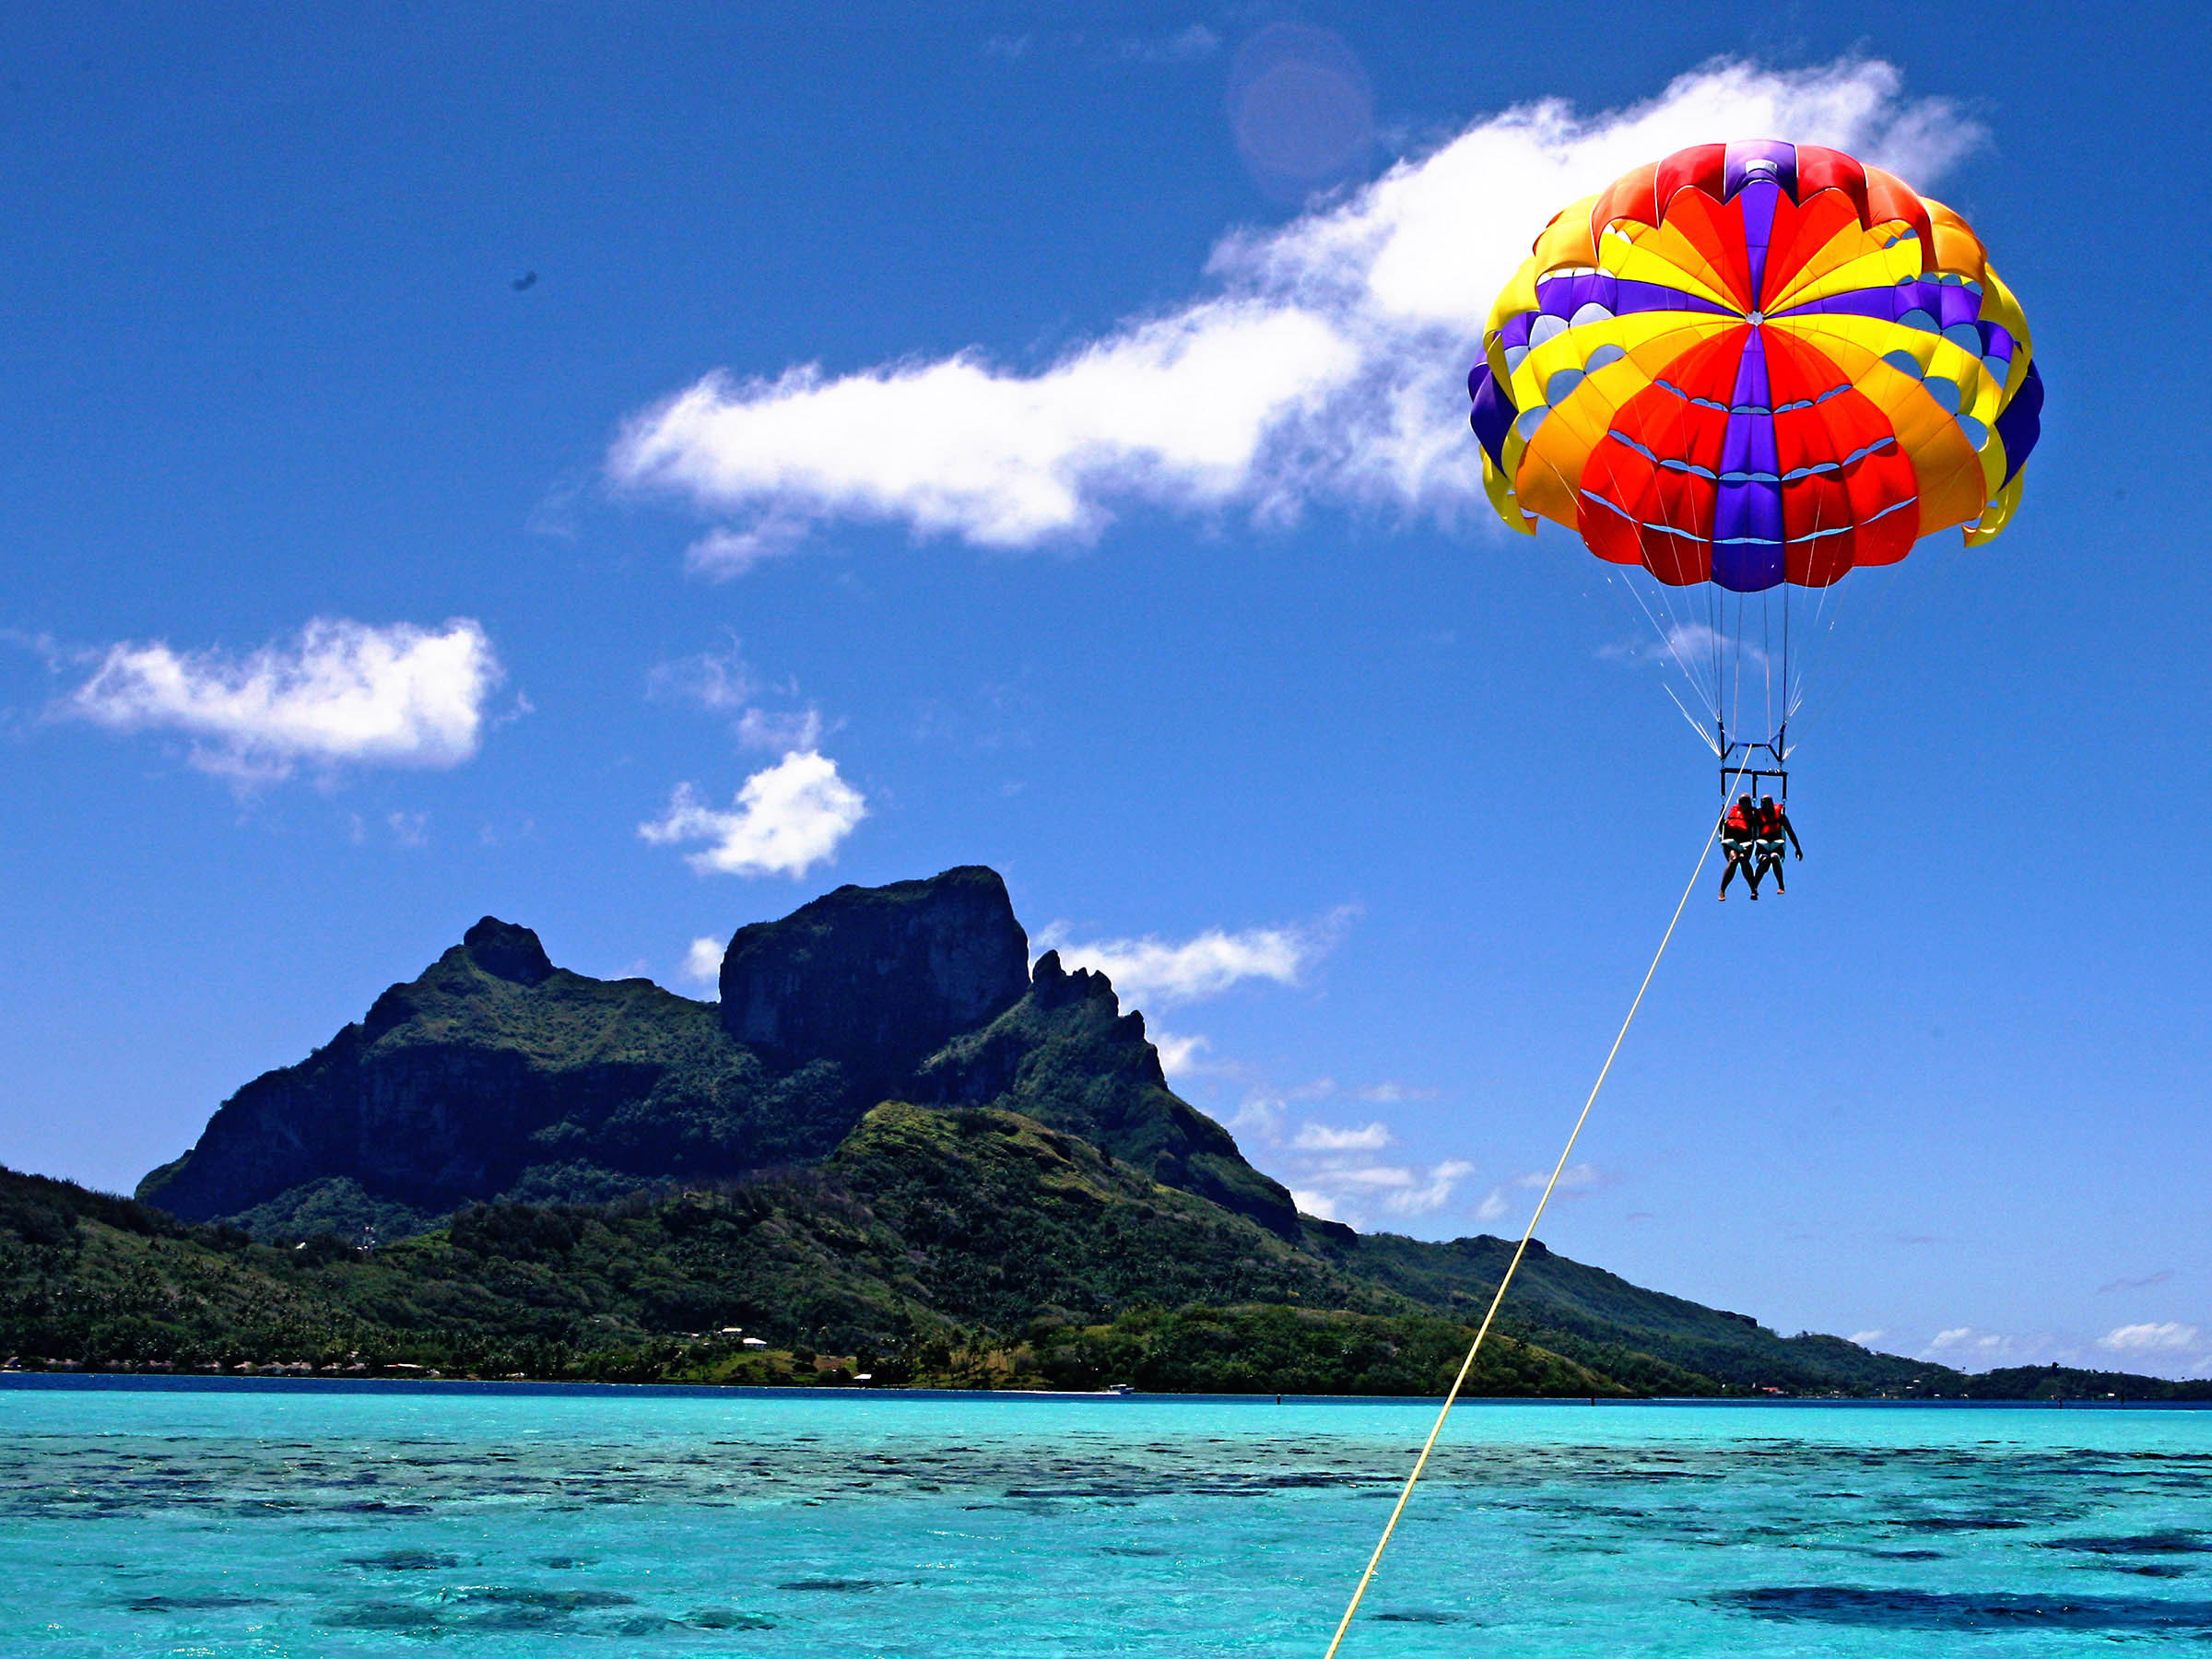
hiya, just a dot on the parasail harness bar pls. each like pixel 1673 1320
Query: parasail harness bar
pixel 1737 758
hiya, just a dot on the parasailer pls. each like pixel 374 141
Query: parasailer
pixel 1739 845
pixel 1747 368
pixel 1773 826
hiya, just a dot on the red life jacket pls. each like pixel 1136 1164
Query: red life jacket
pixel 1769 822
pixel 1739 821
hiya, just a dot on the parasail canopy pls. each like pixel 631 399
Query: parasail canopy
pixel 1756 363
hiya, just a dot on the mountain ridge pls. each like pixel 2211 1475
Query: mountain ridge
pixel 948 1248
pixel 895 1136
pixel 495 1075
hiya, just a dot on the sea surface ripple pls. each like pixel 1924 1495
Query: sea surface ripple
pixel 301 1519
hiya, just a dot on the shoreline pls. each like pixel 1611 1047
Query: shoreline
pixel 151 1382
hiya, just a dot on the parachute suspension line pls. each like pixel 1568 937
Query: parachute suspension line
pixel 1715 614
pixel 1766 656
pixel 1520 1250
pixel 1696 725
pixel 1784 759
pixel 1736 695
pixel 1671 636
pixel 1812 644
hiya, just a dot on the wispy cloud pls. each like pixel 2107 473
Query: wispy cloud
pixel 785 729
pixel 1348 1192
pixel 1155 971
pixel 1433 1193
pixel 343 693
pixel 1330 1137
pixel 723 683
pixel 1962 1344
pixel 1573 1178
pixel 408 829
pixel 1189 45
pixel 2168 1336
pixel 1388 1092
pixel 1866 1338
pixel 1970 1349
pixel 1194 43
pixel 786 820
pixel 2166 1347
pixel 1326 364
pixel 1331 1169
pixel 722 553
pixel 1693 647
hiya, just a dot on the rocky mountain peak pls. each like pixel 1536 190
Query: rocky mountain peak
pixel 508 951
pixel 491 1075
pixel 876 978
pixel 1055 987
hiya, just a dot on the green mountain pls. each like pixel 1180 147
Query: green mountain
pixel 949 1247
pixel 495 1076
pixel 895 1147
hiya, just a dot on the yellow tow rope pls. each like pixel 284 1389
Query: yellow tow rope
pixel 1520 1250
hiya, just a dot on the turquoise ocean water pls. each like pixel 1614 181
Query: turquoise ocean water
pixel 290 1519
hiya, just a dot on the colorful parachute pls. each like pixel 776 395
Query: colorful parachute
pixel 1756 363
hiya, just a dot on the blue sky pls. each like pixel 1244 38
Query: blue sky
pixel 455 455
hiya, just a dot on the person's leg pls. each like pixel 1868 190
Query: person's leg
pixel 1729 873
pixel 1770 859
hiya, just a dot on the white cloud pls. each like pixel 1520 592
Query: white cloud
pixel 409 829
pixel 1328 366
pixel 702 961
pixel 2168 1349
pixel 1371 1175
pixel 1179 1055
pixel 1155 971
pixel 2166 1337
pixel 1327 1137
pixel 1343 1192
pixel 1433 1195
pixel 1972 1350
pixel 1493 1207
pixel 1332 1170
pixel 343 693
pixel 1311 1203
pixel 1175 410
pixel 786 820
pixel 1866 1338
